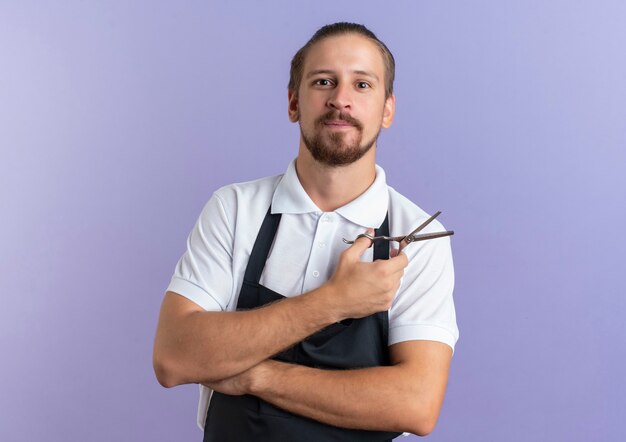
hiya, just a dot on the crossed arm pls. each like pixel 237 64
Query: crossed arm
pixel 405 396
pixel 230 352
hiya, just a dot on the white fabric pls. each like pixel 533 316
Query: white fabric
pixel 306 250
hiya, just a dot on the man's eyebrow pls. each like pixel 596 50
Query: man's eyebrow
pixel 320 71
pixel 367 74
pixel 331 72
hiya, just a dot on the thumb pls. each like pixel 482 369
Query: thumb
pixel 362 244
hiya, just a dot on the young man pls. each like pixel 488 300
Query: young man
pixel 292 334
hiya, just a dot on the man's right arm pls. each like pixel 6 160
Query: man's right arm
pixel 197 346
pixel 194 345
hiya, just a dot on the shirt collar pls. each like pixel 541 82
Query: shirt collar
pixel 368 210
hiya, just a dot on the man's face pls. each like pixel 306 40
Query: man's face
pixel 341 103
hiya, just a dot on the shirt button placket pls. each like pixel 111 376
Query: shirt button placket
pixel 317 256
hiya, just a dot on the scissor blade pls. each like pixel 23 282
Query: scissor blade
pixel 424 224
pixel 425 236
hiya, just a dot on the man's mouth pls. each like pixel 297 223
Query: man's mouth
pixel 334 120
pixel 338 124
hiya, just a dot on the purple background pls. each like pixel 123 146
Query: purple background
pixel 119 119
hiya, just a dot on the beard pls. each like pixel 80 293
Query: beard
pixel 334 151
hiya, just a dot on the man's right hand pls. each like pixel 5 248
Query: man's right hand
pixel 360 288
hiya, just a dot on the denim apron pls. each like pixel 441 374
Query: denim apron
pixel 349 344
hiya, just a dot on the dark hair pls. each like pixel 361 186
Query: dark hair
pixel 341 28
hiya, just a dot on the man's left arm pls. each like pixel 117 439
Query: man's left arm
pixel 405 396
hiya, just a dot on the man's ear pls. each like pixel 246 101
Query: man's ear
pixel 293 110
pixel 389 111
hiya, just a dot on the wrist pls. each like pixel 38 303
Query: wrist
pixel 260 377
pixel 328 296
pixel 320 306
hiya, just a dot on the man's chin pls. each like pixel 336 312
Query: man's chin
pixel 336 148
pixel 338 155
pixel 341 142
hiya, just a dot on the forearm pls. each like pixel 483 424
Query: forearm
pixel 202 346
pixel 377 398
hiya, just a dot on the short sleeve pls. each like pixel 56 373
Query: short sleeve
pixel 424 307
pixel 204 272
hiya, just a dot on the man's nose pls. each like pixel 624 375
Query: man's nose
pixel 341 97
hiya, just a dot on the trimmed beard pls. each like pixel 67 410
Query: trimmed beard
pixel 336 152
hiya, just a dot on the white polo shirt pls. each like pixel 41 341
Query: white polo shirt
pixel 306 251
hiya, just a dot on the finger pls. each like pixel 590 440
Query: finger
pixel 362 244
pixel 395 265
pixel 398 262
pixel 403 244
pixel 394 252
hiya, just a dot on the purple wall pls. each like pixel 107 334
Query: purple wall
pixel 119 119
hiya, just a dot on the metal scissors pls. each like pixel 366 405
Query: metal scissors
pixel 411 237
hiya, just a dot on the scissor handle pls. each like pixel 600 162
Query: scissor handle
pixel 363 235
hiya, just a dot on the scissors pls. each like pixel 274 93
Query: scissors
pixel 411 237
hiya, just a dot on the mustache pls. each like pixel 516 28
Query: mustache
pixel 334 115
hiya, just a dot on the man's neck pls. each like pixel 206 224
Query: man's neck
pixel 333 187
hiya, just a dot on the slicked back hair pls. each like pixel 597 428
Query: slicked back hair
pixel 341 28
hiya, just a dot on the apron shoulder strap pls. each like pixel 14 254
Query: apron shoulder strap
pixel 262 246
pixel 381 248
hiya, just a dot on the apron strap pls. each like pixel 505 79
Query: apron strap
pixel 381 248
pixel 381 251
pixel 262 246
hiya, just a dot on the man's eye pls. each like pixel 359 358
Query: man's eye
pixel 362 85
pixel 323 82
